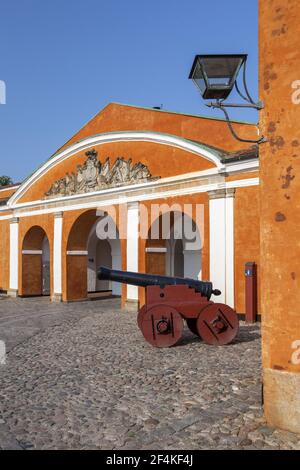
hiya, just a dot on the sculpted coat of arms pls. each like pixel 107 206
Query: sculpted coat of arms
pixel 94 175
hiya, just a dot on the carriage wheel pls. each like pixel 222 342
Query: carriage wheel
pixel 161 326
pixel 218 324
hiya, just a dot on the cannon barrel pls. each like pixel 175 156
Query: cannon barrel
pixel 205 288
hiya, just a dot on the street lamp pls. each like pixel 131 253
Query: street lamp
pixel 215 76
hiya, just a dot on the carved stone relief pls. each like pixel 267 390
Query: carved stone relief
pixel 94 175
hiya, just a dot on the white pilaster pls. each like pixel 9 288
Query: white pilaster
pixel 217 242
pixel 132 247
pixel 221 229
pixel 14 257
pixel 230 247
pixel 57 258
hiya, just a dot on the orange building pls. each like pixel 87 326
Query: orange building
pixel 124 160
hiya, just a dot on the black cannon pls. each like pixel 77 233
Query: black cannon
pixel 169 300
pixel 205 288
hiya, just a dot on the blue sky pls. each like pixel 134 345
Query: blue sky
pixel 64 60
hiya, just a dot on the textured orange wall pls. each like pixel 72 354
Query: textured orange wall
pixel 4 254
pixel 246 240
pixel 118 117
pixel 280 182
pixel 161 160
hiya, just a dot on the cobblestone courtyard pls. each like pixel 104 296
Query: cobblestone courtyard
pixel 80 376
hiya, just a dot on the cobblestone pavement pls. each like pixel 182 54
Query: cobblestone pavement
pixel 80 376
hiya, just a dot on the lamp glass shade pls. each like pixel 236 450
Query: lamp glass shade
pixel 215 75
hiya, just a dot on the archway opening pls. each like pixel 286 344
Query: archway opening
pixel 35 263
pixel 103 252
pixel 177 251
pixel 86 251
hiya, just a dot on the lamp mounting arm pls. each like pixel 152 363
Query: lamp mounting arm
pixel 220 105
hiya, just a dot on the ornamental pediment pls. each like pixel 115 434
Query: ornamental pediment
pixel 93 175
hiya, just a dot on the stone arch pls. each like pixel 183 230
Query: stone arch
pixel 36 267
pixel 81 235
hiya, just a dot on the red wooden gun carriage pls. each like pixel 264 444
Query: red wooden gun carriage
pixel 170 300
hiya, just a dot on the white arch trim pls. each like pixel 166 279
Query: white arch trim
pixel 136 136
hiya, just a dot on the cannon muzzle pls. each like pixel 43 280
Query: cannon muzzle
pixel 205 288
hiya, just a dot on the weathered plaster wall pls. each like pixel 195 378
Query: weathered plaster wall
pixel 279 26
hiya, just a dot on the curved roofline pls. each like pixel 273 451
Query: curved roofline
pixel 202 150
